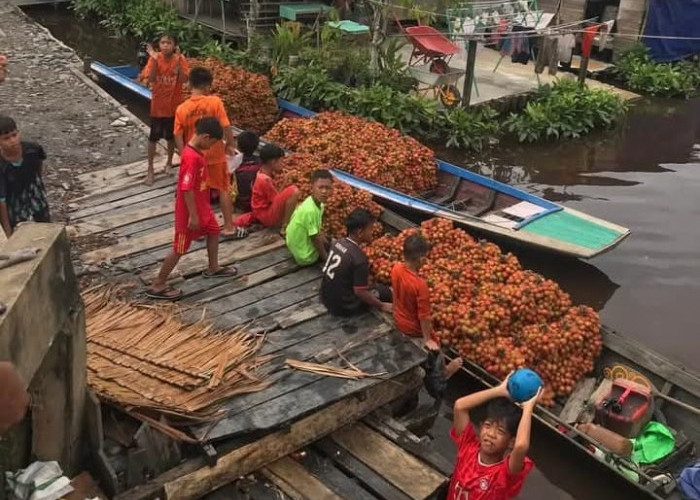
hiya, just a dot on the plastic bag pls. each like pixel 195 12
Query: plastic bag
pixel 435 381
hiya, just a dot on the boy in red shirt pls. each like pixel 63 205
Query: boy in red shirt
pixel 193 214
pixel 412 312
pixel 270 207
pixel 165 73
pixel 491 464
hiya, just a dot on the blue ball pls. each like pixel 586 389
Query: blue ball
pixel 523 385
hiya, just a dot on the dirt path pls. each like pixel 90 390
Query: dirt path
pixel 56 108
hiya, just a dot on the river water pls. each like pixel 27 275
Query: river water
pixel 644 174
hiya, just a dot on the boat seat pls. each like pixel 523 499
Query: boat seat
pixel 447 198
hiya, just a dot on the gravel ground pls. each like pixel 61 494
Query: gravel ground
pixel 57 109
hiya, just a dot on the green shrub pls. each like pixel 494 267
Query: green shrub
pixel 640 73
pixel 469 129
pixel 565 110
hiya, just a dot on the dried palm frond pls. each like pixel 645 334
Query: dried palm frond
pixel 352 373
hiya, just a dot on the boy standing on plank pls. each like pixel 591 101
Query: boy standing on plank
pixel 165 73
pixel 270 207
pixel 199 105
pixel 412 313
pixel 22 192
pixel 193 214
pixel 345 289
pixel 305 239
pixel 492 462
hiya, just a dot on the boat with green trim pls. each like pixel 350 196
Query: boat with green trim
pixel 473 201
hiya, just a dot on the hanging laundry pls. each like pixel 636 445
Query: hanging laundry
pixel 548 55
pixel 520 45
pixel 605 30
pixel 565 47
pixel 587 39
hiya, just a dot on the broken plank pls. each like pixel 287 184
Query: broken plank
pixel 112 220
pixel 404 471
pixel 129 201
pixel 369 479
pixel 577 400
pixel 281 443
pixel 300 480
pixel 230 251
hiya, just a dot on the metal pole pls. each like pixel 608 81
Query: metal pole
pixel 469 74
pixel 223 22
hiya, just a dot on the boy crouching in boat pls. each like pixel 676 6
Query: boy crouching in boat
pixel 193 214
pixel 492 462
pixel 412 313
pixel 305 238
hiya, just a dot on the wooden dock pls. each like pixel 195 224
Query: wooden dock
pixel 124 229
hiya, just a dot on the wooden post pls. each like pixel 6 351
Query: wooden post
pixel 223 22
pixel 583 70
pixel 469 74
pixel 196 10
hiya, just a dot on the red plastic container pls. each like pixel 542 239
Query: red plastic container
pixel 635 404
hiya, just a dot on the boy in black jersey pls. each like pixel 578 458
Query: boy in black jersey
pixel 22 193
pixel 345 289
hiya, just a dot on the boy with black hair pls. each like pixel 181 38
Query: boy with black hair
pixel 22 192
pixel 193 214
pixel 247 143
pixel 345 289
pixel 165 72
pixel 491 464
pixel 199 105
pixel 305 239
pixel 270 207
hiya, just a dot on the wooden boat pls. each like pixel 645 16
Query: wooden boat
pixel 471 200
pixel 624 358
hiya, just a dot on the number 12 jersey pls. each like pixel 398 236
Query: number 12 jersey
pixel 345 270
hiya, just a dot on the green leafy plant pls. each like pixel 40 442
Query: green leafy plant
pixel 288 40
pixel 469 129
pixel 640 73
pixel 565 110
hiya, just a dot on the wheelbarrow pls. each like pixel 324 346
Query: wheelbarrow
pixel 441 82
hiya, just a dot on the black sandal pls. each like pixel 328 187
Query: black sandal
pixel 222 272
pixel 167 293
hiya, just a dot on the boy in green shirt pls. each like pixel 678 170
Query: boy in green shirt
pixel 305 239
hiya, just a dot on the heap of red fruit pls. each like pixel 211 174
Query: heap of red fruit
pixel 492 311
pixel 366 149
pixel 298 168
pixel 248 97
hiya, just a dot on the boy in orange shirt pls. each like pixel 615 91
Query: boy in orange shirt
pixel 188 113
pixel 165 73
pixel 194 217
pixel 412 312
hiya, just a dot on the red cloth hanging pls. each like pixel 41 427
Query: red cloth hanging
pixel 587 39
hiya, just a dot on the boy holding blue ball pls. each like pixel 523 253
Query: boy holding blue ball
pixel 492 462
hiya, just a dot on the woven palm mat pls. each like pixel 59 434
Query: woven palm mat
pixel 146 360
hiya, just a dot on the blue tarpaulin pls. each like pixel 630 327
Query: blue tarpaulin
pixel 673 18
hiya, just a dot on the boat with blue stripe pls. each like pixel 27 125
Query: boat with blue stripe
pixel 471 200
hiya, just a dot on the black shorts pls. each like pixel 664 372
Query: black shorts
pixel 161 128
pixel 382 292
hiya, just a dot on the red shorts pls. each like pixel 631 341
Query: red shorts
pixel 272 216
pixel 219 178
pixel 183 239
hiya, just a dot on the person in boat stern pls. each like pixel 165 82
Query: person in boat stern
pixel 306 240
pixel 22 192
pixel 166 71
pixel 345 288
pixel 492 463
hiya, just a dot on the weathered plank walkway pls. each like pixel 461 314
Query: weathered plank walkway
pixel 273 295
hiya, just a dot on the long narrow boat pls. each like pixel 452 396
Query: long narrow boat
pixel 471 200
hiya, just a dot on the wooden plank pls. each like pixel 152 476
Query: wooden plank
pixel 129 201
pixel 369 479
pixel 129 246
pixel 404 471
pixel 301 480
pixel 577 400
pixel 278 444
pixel 113 193
pixel 676 373
pixel 323 468
pixel 112 220
pixel 229 252
pixel 282 486
pixel 140 228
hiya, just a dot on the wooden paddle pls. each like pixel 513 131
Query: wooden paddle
pixel 627 373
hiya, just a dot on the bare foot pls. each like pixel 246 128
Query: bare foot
pixel 149 179
pixel 453 367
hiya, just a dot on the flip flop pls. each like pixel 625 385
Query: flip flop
pixel 167 293
pixel 223 272
pixel 238 234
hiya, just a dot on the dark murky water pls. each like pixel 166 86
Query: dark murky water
pixel 644 175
